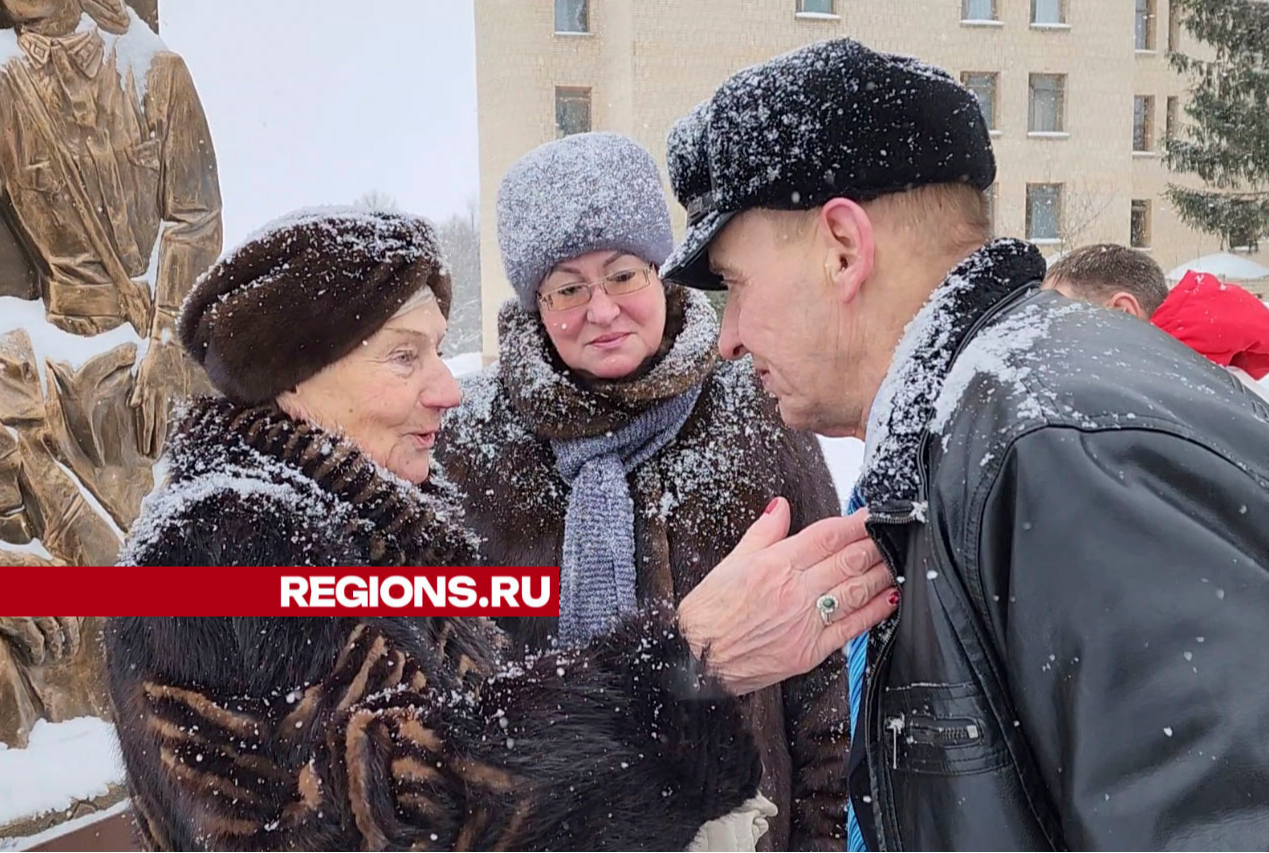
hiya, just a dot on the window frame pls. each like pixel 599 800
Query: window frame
pixel 1143 206
pixel 563 94
pixel 965 9
pixel 1060 109
pixel 1146 130
pixel 1056 215
pixel 799 8
pixel 1061 14
pixel 1150 43
pixel 585 16
pixel 994 77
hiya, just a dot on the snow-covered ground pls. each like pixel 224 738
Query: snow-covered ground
pixel 75 760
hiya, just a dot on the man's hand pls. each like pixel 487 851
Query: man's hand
pixel 42 639
pixel 159 371
pixel 754 619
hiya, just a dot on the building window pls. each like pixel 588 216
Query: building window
pixel 1048 103
pixel 1145 24
pixel 815 7
pixel 572 110
pixel 983 85
pixel 1139 230
pixel 1143 123
pixel 1044 210
pixel 978 10
pixel 572 16
pixel 1170 125
pixel 1174 25
pixel 1048 12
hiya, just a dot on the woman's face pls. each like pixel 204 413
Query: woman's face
pixel 608 337
pixel 388 395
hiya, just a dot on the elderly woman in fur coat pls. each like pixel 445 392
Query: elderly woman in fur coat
pixel 321 334
pixel 610 440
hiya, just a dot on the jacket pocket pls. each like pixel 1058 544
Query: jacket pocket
pixel 942 729
pixel 145 154
pixel 39 177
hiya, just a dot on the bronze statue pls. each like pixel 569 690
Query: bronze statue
pixel 111 209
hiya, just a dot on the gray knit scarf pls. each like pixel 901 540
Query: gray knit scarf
pixel 600 432
pixel 597 572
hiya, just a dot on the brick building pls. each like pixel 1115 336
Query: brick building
pixel 1079 94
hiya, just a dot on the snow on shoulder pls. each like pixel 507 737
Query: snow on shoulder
pixel 707 464
pixel 134 51
pixel 483 426
pixel 921 369
pixel 1000 351
pixel 912 384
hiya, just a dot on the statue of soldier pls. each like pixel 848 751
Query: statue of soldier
pixel 109 191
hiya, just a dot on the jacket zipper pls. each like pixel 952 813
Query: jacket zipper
pixel 924 729
pixel 900 513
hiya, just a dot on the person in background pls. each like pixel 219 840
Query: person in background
pixel 1224 322
pixel 1112 276
pixel 612 441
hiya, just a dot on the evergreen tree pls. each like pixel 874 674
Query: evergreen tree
pixel 1226 141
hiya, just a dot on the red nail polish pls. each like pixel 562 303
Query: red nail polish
pixel 771 506
pixel 894 596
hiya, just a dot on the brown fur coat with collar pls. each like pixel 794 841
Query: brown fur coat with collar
pixel 693 502
pixel 299 733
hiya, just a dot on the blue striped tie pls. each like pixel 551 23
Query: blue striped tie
pixel 856 661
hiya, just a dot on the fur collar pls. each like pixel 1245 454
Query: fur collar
pixel 407 525
pixel 904 408
pixel 558 404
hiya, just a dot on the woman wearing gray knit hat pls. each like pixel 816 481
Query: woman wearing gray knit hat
pixel 321 733
pixel 610 441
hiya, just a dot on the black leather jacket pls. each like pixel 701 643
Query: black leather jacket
pixel 1078 507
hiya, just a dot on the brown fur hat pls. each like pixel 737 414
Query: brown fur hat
pixel 303 292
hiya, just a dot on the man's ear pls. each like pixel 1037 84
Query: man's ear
pixel 1126 302
pixel 848 237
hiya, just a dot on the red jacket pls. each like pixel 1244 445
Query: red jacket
pixel 1221 321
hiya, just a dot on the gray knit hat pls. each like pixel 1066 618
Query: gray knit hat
pixel 583 193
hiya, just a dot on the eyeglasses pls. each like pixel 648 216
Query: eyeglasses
pixel 579 293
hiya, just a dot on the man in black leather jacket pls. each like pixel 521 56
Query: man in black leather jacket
pixel 1076 505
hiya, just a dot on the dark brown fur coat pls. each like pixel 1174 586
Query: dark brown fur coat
pixel 693 502
pixel 389 733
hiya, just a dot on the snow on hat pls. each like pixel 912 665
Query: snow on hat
pixel 687 157
pixel 834 119
pixel 583 193
pixel 303 292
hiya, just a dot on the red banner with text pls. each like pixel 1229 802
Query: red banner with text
pixel 281 591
